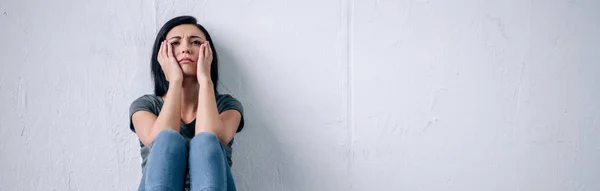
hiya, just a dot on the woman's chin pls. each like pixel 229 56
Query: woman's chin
pixel 188 70
pixel 189 74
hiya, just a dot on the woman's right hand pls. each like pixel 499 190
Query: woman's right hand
pixel 169 63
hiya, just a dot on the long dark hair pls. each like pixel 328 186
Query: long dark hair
pixel 161 85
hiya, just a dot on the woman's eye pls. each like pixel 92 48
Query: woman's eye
pixel 174 43
pixel 197 42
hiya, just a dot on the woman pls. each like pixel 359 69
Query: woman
pixel 185 128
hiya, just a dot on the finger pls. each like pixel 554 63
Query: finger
pixel 170 52
pixel 160 50
pixel 168 49
pixel 201 52
pixel 210 51
pixel 164 51
pixel 205 51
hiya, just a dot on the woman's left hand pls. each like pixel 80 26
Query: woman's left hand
pixel 205 57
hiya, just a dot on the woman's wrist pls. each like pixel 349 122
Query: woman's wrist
pixel 175 83
pixel 204 80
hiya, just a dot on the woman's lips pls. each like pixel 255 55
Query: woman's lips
pixel 186 60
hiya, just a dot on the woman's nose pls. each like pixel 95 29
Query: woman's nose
pixel 185 49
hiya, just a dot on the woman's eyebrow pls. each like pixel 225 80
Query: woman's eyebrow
pixel 192 36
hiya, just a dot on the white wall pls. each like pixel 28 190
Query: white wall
pixel 339 95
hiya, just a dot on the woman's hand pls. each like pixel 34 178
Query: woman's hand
pixel 205 57
pixel 168 63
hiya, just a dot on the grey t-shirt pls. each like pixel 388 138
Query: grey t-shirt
pixel 153 104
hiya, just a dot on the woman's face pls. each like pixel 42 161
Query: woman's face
pixel 186 40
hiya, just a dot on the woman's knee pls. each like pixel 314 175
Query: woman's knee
pixel 206 137
pixel 169 137
pixel 207 142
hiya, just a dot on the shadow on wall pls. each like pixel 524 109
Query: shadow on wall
pixel 257 153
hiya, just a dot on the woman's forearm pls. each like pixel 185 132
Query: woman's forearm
pixel 207 116
pixel 170 114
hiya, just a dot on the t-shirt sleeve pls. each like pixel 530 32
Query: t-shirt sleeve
pixel 228 102
pixel 144 103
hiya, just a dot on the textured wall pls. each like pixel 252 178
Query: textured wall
pixel 339 95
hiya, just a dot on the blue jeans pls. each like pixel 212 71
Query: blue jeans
pixel 168 161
